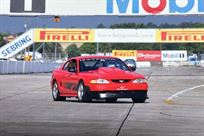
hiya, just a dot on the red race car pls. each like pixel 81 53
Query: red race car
pixel 97 77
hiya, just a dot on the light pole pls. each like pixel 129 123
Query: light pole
pixel 55 51
pixel 56 20
pixel 43 53
pixel 97 48
pixel 25 27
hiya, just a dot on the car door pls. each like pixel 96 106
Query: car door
pixel 70 78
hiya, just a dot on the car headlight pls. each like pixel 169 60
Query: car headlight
pixel 139 80
pixel 99 81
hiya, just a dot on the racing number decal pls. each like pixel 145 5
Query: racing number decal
pixel 19 6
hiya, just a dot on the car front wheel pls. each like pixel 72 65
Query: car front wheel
pixel 56 94
pixel 83 94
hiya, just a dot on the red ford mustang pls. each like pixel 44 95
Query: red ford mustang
pixel 97 77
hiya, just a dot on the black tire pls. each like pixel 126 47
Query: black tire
pixel 111 100
pixel 56 94
pixel 136 100
pixel 82 93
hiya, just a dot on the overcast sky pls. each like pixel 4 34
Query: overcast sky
pixel 17 24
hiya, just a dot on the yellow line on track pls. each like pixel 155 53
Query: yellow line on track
pixel 170 99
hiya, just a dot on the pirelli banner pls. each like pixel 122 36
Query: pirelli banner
pixel 120 35
pixel 96 35
pixel 125 54
pixel 64 35
pixel 180 35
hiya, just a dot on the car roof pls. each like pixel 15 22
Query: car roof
pixel 90 57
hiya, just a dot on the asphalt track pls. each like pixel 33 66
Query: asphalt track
pixel 27 108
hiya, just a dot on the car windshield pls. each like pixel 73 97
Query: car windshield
pixel 130 62
pixel 95 63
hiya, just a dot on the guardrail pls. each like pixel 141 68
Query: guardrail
pixel 17 67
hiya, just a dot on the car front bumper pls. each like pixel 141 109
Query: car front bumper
pixel 120 94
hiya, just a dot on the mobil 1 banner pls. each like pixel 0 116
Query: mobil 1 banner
pixel 17 45
pixel 174 55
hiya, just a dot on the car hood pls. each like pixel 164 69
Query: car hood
pixel 111 73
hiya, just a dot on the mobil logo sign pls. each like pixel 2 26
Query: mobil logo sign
pixel 174 55
pixel 145 7
pixel 148 55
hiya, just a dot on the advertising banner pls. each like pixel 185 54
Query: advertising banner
pixel 101 7
pixel 120 35
pixel 64 35
pixel 174 55
pixel 180 35
pixel 148 55
pixel 17 45
pixel 125 35
pixel 125 54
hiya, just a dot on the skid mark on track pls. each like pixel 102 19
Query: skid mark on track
pixel 127 115
pixel 170 99
pixel 147 78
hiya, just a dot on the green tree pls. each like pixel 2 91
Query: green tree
pixel 105 48
pixel 49 47
pixel 88 48
pixel 151 25
pixel 2 42
pixel 100 26
pixel 72 51
pixel 128 25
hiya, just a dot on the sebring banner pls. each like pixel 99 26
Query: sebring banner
pixel 17 45
pixel 101 7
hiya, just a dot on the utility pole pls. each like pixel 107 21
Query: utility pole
pixel 56 20
pixel 25 27
pixel 55 51
pixel 97 48
pixel 33 51
pixel 43 52
pixel 160 46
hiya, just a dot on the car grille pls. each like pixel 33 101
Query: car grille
pixel 120 80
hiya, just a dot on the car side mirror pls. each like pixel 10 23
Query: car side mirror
pixel 132 68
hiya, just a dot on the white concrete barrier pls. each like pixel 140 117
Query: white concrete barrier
pixel 171 64
pixel 202 63
pixel 143 64
pixel 182 63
